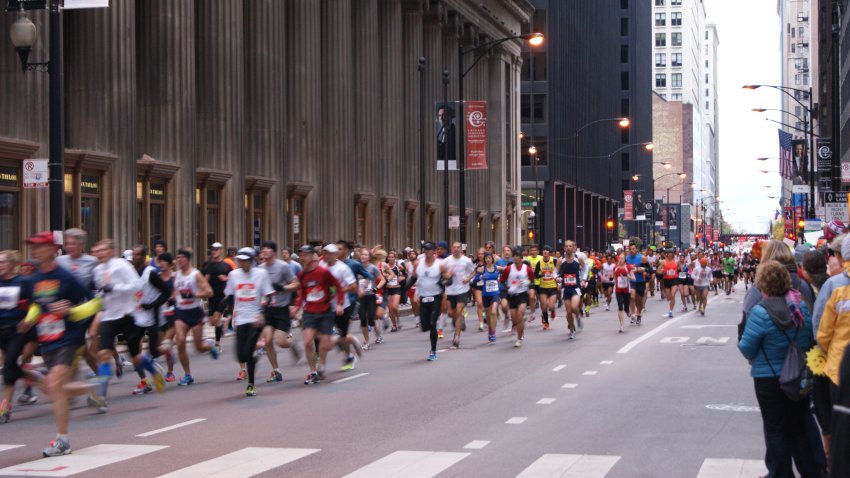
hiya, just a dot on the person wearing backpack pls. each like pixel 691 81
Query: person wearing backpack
pixel 780 319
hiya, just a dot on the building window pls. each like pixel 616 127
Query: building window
pixel 296 208
pixel 676 80
pixel 387 225
pixel 676 59
pixel 624 4
pixel 676 3
pixel 624 80
pixel 255 216
pixel 660 39
pixel 10 207
pixel 539 108
pixel 624 53
pixel 83 203
pixel 624 107
pixel 659 3
pixel 660 80
pixel 676 19
pixel 625 162
pixel 150 210
pixel 361 222
pixel 676 39
pixel 624 27
pixel 660 19
pixel 660 59
pixel 676 97
pixel 208 205
pixel 409 226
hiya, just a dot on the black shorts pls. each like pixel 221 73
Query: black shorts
pixel 669 283
pixel 388 291
pixel 503 294
pixel 639 288
pixel 591 286
pixel 716 274
pixel 278 317
pixel 454 300
pixel 191 317
pixel 515 300
pixel 110 329
pixel 570 292
pixel 65 355
pixel 547 292
pixel 623 300
pixel 607 285
pixel 342 321
pixel 489 300
pixel 323 323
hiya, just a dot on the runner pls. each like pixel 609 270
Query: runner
pixel 61 330
pixel 671 281
pixel 702 279
pixel 151 292
pixel 590 286
pixel 368 298
pixel 477 288
pixel 395 275
pixel 321 296
pixel 278 322
pixel 546 273
pixel 488 275
pixel 729 264
pixel 652 261
pixel 163 308
pixel 623 278
pixel 379 258
pixel 344 269
pixel 501 264
pixel 685 282
pixel 570 276
pixel 638 286
pixel 412 295
pixel 215 271
pixel 462 271
pixel 190 287
pixel 15 300
pixel 518 277
pixel 532 259
pixel 428 274
pixel 716 273
pixel 607 276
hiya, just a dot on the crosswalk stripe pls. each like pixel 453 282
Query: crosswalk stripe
pixel 80 460
pixel 9 447
pixel 731 468
pixel 570 466
pixel 243 463
pixel 409 464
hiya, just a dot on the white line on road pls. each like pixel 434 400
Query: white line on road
pixel 706 326
pixel 731 468
pixel 419 464
pixel 516 420
pixel 172 427
pixel 569 385
pixel 9 447
pixel 584 466
pixel 243 463
pixel 346 379
pixel 80 461
pixel 559 368
pixel 546 401
pixel 590 372
pixel 634 343
pixel 606 362
pixel 441 350
pixel 476 444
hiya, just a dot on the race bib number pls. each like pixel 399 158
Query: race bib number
pixel 246 292
pixel 670 273
pixel 683 275
pixel 379 300
pixel 622 282
pixel 547 275
pixel 186 297
pixel 570 280
pixel 427 300
pixel 9 297
pixel 491 286
pixel 50 328
pixel 392 282
pixel 315 295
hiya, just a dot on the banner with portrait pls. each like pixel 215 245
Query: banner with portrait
pixel 445 129
pixel 799 166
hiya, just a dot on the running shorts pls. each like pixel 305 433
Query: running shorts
pixel 191 317
pixel 323 323
pixel 279 318
pixel 454 300
pixel 515 300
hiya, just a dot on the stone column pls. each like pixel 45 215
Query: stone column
pixel 166 125
pixel 392 113
pixel 432 45
pixel 412 49
pixel 221 104
pixel 369 156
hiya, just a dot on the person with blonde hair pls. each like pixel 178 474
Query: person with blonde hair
pixel 775 250
pixel 15 296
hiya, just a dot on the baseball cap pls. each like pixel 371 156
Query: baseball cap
pixel 429 246
pixel 216 245
pixel 833 229
pixel 245 254
pixel 443 244
pixel 127 254
pixel 307 249
pixel 44 237
pixel 331 248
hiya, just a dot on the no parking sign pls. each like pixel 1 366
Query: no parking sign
pixel 35 173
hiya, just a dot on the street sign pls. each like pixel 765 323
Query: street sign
pixel 18 5
pixel 835 207
pixel 35 173
pixel 640 217
pixel 454 222
pixel 813 225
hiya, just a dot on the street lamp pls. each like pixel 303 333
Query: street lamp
pixel 532 154
pixel 647 145
pixel 664 163
pixel 809 126
pixel 23 34
pixel 534 39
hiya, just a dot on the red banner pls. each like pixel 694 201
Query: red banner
pixel 709 232
pixel 628 204
pixel 788 213
pixel 716 234
pixel 476 134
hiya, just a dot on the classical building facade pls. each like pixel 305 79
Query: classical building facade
pixel 238 121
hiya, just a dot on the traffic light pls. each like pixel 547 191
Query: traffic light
pixel 696 236
pixel 610 224
pixel 801 227
pixel 530 236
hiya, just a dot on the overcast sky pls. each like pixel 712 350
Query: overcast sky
pixel 748 54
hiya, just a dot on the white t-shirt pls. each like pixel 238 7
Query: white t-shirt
pixel 248 290
pixel 186 290
pixel 147 293
pixel 428 278
pixel 342 273
pixel 120 275
pixel 608 272
pixel 460 269
pixel 701 276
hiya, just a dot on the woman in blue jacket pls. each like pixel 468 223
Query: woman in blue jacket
pixel 764 344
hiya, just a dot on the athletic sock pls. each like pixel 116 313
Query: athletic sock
pixel 104 372
pixel 147 363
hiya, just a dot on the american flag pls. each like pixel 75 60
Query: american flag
pixel 785 154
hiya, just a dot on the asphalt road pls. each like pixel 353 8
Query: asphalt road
pixel 669 398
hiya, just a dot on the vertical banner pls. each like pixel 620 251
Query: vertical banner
pixel 799 166
pixel 628 203
pixel 476 134
pixel 788 215
pixel 824 160
pixel 446 134
pixel 709 233
pixel 716 234
pixel 659 207
pixel 672 217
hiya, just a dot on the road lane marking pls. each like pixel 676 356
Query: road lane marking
pixel 441 350
pixel 606 362
pixel 559 368
pixel 577 466
pixel 172 427
pixel 724 407
pixel 569 385
pixel 9 447
pixel 243 463
pixel 346 379
pixel 546 401
pixel 590 372
pixel 80 461
pixel 634 343
pixel 705 326
pixel 516 420
pixel 731 468
pixel 476 444
pixel 409 464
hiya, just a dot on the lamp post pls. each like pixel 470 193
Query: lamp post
pixel 809 126
pixel 667 197
pixel 23 34
pixel 534 39
pixel 532 154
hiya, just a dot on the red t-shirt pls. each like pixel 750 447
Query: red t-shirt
pixel 621 279
pixel 315 291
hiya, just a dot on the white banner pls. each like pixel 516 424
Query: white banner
pixel 80 4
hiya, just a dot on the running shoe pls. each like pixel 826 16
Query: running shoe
pixel 621 329
pixel 142 388
pixel 379 340
pixel 169 377
pixel 572 335
pixel 518 344
pixel 432 356
pixel 439 333
pixel 5 412
pixel 632 321
pixel 229 332
pixel 669 315
pixel 218 347
pixel 580 323
pixel 637 321
pixel 455 343
pixel 251 391
pixel 58 447
pixel 159 382
pixel 481 326
pixel 98 403
pixel 186 381
pixel 312 379
pixel 350 363
pixel 295 350
pixel 213 351
pixel 545 325
pixel 607 307
pixel 275 377
pixel 27 398
pixel 242 375
pixel 491 338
